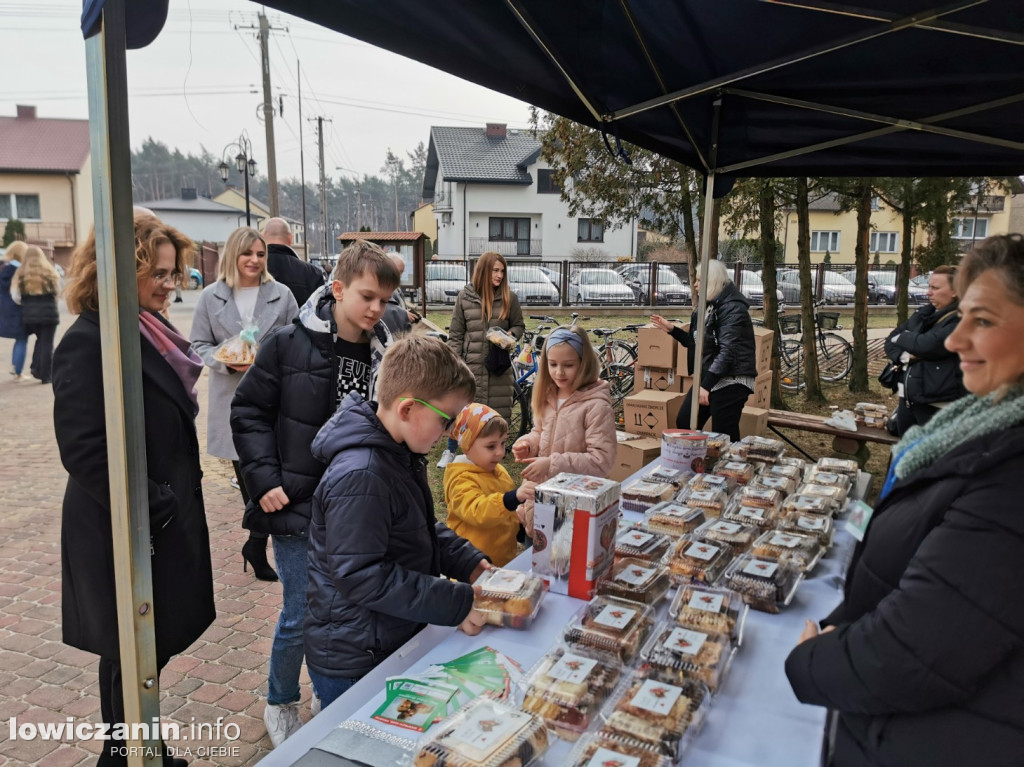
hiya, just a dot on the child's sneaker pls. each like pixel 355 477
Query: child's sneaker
pixel 446 458
pixel 314 705
pixel 282 722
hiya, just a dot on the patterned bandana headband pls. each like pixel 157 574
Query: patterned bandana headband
pixel 470 423
pixel 566 336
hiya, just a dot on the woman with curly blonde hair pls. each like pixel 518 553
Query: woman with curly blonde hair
pixel 11 325
pixel 35 286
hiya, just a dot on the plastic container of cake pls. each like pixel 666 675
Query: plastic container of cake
pixel 609 750
pixel 663 715
pixel 509 597
pixel 769 481
pixel 712 501
pixel 792 460
pixel 635 581
pixel 802 551
pixel 846 466
pixel 711 482
pixel 783 469
pixel 758 516
pixel 717 444
pixel 682 652
pixel 640 495
pixel 815 476
pixel 710 609
pixel 666 474
pixel 674 518
pixel 765 584
pixel 739 472
pixel 484 733
pixel 766 497
pixel 761 449
pixel 638 543
pixel 567 688
pixel 695 560
pixel 818 525
pixel 808 504
pixel 834 493
pixel 611 627
pixel 736 535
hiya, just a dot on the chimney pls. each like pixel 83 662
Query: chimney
pixel 496 130
pixel 188 193
pixel 26 112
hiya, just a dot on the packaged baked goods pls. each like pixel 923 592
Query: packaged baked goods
pixel 740 472
pixel 802 551
pixel 717 444
pixel 638 543
pixel 696 559
pixel 484 733
pixel 783 469
pixel 674 518
pixel 635 581
pixel 818 525
pixel 602 749
pixel 765 584
pixel 846 466
pixel 711 609
pixel 662 714
pixel 501 338
pixel 792 460
pixel 566 689
pixel 686 652
pixel 785 485
pixel 240 349
pixel 509 597
pixel 808 504
pixel 834 493
pixel 712 501
pixel 666 474
pixel 762 449
pixel 871 414
pixel 640 495
pixel 711 482
pixel 684 449
pixel 612 627
pixel 816 476
pixel 736 535
pixel 765 497
pixel 758 516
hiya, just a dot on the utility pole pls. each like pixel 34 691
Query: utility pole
pixel 323 186
pixel 302 167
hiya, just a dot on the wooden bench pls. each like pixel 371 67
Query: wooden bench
pixel 849 443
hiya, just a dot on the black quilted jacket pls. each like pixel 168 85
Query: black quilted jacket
pixel 728 340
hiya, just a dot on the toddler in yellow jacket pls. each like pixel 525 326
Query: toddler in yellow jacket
pixel 481 497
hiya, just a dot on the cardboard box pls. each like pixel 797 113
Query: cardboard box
pixel 633 455
pixel 762 396
pixel 575 519
pixel 763 340
pixel 651 412
pixel 655 348
pixel 660 379
pixel 753 422
pixel 682 357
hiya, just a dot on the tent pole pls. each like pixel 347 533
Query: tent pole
pixel 122 375
pixel 702 295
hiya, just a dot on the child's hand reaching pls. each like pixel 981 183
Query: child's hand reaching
pixel 526 491
pixel 520 450
pixel 481 567
pixel 524 513
pixel 473 624
pixel 538 470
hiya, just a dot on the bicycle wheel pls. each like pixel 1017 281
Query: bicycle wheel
pixel 835 357
pixel 522 416
pixel 620 381
pixel 791 365
pixel 623 353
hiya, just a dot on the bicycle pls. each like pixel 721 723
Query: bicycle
pixel 618 365
pixel 835 353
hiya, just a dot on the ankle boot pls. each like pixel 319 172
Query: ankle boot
pixel 254 552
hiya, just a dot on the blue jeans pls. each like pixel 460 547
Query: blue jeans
pixel 286 652
pixel 453 446
pixel 329 688
pixel 18 355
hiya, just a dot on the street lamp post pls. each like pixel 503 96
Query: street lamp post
pixel 245 164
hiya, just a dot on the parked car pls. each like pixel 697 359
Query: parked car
pixel 555 275
pixel 599 286
pixel 670 289
pixel 531 285
pixel 753 288
pixel 195 278
pixel 882 289
pixel 836 290
pixel 444 281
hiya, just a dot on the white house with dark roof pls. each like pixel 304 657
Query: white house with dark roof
pixel 492 191
pixel 199 218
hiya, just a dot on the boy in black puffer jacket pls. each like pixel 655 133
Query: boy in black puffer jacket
pixel 378 560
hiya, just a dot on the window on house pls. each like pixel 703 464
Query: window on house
pixel 590 230
pixel 883 242
pixel 969 228
pixel 508 229
pixel 824 241
pixel 546 183
pixel 24 207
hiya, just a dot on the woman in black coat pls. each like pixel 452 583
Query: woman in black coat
pixel 35 286
pixel 929 372
pixel 728 366
pixel 924 658
pixel 180 543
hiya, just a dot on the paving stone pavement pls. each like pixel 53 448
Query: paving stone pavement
pixel 42 680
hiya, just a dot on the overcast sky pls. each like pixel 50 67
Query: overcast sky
pixel 199 85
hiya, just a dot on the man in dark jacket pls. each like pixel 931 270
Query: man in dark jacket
pixel 376 552
pixel 302 278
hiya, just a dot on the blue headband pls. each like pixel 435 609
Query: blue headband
pixel 566 336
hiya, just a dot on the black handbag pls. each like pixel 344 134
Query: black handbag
pixel 890 375
pixel 498 360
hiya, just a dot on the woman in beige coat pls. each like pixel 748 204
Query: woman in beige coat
pixel 486 303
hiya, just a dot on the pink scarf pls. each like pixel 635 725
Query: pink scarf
pixel 176 350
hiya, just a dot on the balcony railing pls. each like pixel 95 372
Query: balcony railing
pixel 48 231
pixel 478 245
pixel 442 201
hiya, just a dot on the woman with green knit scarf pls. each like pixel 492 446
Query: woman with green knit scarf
pixel 923 661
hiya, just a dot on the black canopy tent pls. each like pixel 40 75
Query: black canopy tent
pixel 730 87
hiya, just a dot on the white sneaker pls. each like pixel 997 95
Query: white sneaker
pixel 446 458
pixel 282 722
pixel 314 705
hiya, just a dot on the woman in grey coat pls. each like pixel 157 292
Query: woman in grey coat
pixel 245 297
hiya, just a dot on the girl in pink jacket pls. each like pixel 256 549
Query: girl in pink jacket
pixel 574 424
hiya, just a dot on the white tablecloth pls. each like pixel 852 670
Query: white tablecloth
pixel 755 721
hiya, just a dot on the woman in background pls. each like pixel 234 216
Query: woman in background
pixel 35 286
pixel 11 325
